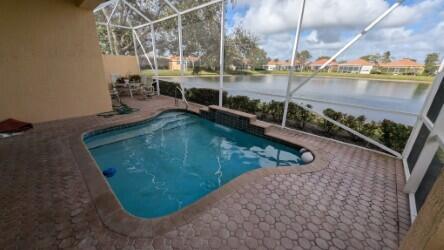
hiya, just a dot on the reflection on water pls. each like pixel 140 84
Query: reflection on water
pixel 399 96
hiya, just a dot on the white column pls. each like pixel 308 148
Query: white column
pixel 221 56
pixel 293 58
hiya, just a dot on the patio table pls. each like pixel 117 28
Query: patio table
pixel 130 85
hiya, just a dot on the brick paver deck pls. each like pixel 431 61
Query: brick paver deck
pixel 354 203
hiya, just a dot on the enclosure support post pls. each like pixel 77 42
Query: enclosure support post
pixel 292 63
pixel 143 50
pixel 221 56
pixel 108 29
pixel 156 69
pixel 179 28
pixel 135 48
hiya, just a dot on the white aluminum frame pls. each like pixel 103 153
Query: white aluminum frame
pixel 433 142
pixel 135 48
pixel 156 69
pixel 293 58
pixel 179 30
pixel 154 66
pixel 222 55
pixel 290 92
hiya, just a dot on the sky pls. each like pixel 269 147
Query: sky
pixel 413 30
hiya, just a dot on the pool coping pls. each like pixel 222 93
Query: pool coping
pixel 117 219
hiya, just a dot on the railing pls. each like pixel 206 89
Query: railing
pixel 183 97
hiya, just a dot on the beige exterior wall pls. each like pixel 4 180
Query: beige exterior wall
pixel 119 65
pixel 427 232
pixel 50 61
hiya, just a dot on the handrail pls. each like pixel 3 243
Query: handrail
pixel 183 97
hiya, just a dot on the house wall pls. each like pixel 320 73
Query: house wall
pixel 50 61
pixel 119 65
pixel 174 65
pixel 427 232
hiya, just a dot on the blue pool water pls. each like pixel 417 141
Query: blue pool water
pixel 176 158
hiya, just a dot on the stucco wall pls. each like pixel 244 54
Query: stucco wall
pixel 119 65
pixel 50 61
pixel 427 232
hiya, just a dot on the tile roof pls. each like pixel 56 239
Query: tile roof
pixel 358 62
pixel 322 61
pixel 402 63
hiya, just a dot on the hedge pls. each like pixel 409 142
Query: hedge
pixel 391 134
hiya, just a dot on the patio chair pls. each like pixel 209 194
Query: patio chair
pixel 146 87
pixel 115 88
pixel 114 93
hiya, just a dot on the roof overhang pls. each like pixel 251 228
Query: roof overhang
pixel 89 4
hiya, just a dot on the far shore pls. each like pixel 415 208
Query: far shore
pixel 388 78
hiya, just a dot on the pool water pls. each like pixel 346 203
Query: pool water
pixel 176 158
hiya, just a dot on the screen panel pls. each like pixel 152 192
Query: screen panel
pixel 417 147
pixel 437 103
pixel 433 172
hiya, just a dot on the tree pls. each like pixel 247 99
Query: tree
pixel 431 62
pixel 243 47
pixel 303 58
pixel 376 59
pixel 200 36
pixel 323 57
pixel 386 57
pixel 102 34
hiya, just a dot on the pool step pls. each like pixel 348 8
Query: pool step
pixel 163 124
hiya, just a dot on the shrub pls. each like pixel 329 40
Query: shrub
pixel 134 78
pixel 395 135
pixel 204 96
pixel 243 103
pixel 196 70
pixel 355 123
pixel 168 88
pixel 299 114
pixel 391 134
pixel 328 126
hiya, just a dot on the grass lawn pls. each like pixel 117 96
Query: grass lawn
pixel 166 72
pixel 423 79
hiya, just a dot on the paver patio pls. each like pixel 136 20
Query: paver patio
pixel 355 203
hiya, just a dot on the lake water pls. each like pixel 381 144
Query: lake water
pixel 379 96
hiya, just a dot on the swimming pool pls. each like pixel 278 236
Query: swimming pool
pixel 176 158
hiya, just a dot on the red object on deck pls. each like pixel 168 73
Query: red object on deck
pixel 14 126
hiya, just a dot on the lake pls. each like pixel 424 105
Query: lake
pixel 376 96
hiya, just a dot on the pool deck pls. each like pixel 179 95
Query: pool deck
pixel 355 202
